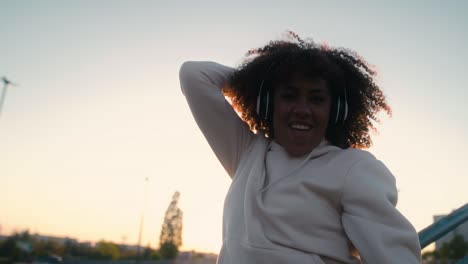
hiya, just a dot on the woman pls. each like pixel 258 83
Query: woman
pixel 302 189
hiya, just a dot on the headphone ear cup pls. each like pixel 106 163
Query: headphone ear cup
pixel 345 115
pixel 334 112
pixel 260 106
pixel 338 111
pixel 271 107
pixel 260 100
pixel 263 105
pixel 263 102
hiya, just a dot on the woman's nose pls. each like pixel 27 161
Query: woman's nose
pixel 302 109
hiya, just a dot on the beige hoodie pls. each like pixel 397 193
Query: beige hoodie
pixel 282 210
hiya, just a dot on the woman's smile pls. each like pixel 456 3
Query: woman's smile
pixel 300 126
pixel 300 116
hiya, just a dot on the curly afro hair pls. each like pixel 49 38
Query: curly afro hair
pixel 340 68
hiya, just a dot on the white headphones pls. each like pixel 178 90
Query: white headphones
pixel 264 105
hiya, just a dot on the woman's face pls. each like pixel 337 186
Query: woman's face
pixel 301 112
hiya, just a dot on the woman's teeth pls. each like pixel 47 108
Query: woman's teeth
pixel 300 127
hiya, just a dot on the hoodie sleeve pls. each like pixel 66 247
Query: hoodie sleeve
pixel 227 135
pixel 376 228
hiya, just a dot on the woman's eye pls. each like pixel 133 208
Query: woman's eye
pixel 317 99
pixel 287 96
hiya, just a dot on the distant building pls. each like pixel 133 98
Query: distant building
pixel 58 240
pixel 131 247
pixel 460 230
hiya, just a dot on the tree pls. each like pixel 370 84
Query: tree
pixel 456 248
pixel 168 250
pixel 155 255
pixel 17 247
pixel 10 250
pixel 107 250
pixel 171 232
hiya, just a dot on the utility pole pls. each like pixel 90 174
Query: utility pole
pixel 6 83
pixel 142 218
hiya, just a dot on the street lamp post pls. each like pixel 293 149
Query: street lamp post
pixel 142 218
pixel 6 83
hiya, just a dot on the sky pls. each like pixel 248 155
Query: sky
pixel 98 107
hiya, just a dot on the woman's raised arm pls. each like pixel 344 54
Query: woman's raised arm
pixel 227 135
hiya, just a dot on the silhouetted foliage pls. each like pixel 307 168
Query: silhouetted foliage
pixel 456 248
pixel 168 250
pixel 17 247
pixel 107 250
pixel 10 250
pixel 128 253
pixel 155 255
pixel 23 247
pixel 171 232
